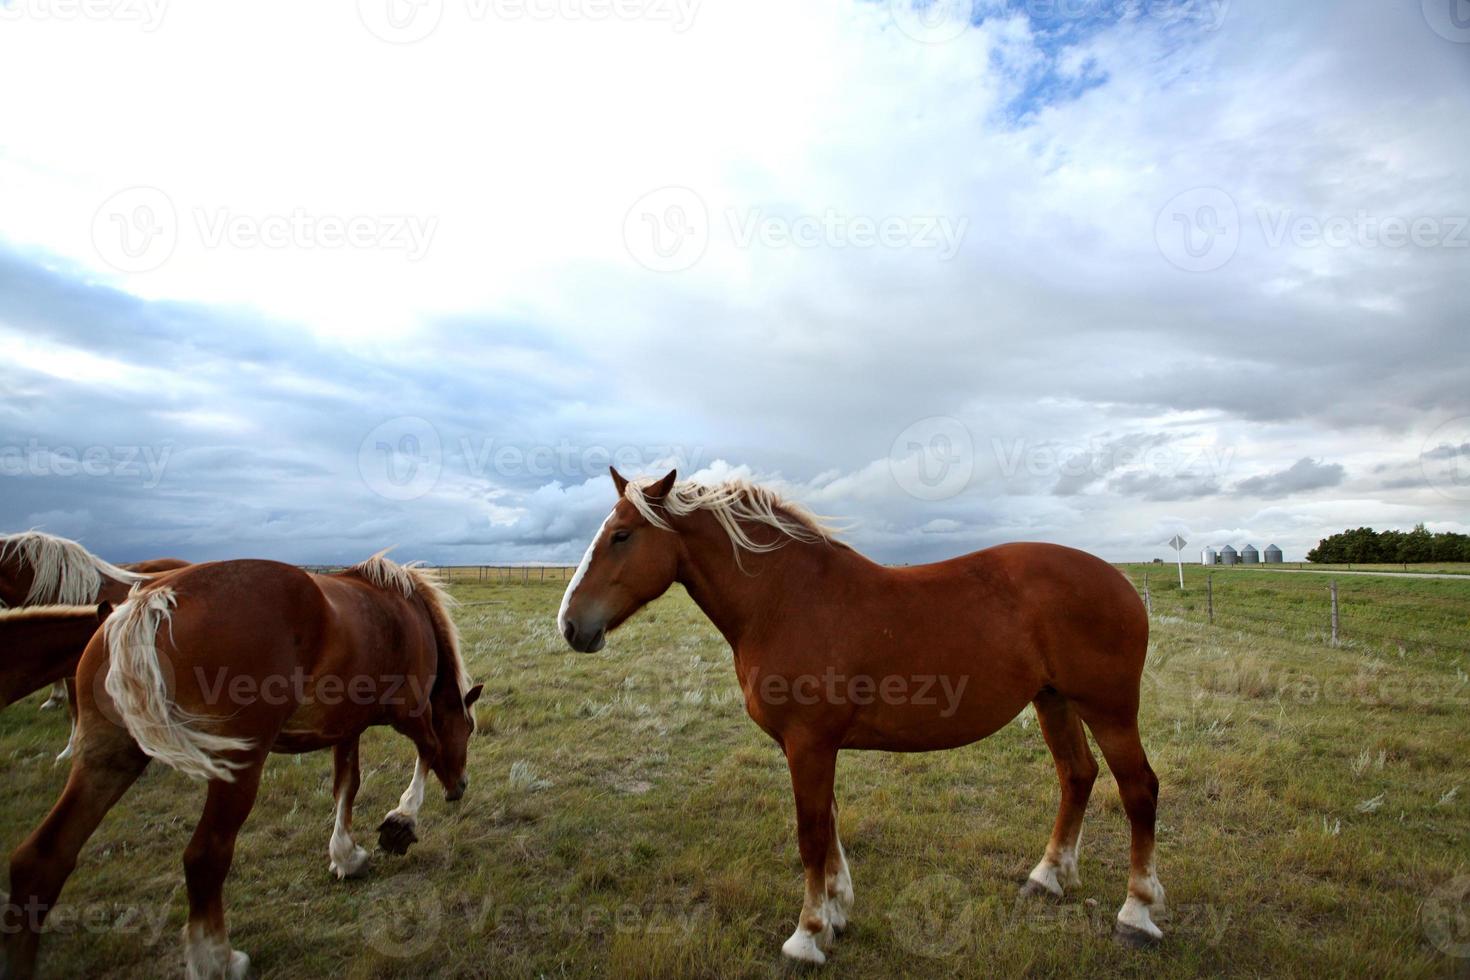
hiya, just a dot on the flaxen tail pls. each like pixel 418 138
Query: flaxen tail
pixel 137 684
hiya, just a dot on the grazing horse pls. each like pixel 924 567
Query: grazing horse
pixel 212 667
pixel 43 644
pixel 834 651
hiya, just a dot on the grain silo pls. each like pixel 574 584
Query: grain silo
pixel 1228 556
pixel 1207 557
pixel 1249 555
pixel 1273 555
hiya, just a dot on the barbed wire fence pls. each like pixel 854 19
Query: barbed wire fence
pixel 1362 612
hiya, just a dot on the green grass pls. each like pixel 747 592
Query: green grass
pixel 650 832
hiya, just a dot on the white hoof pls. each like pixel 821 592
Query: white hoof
pixel 65 753
pixel 802 946
pixel 1135 915
pixel 52 703
pixel 239 967
pixel 1044 877
pixel 351 864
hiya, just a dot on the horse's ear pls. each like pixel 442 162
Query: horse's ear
pixel 104 609
pixel 660 490
pixel 619 481
pixel 473 695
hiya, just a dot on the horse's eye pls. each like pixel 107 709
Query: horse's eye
pixel 620 536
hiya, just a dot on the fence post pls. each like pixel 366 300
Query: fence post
pixel 1148 602
pixel 1334 612
pixel 1210 596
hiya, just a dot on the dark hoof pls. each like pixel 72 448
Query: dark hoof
pixel 396 835
pixel 1033 889
pixel 1133 938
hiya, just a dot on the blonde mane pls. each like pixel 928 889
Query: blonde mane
pixel 47 612
pixel 735 504
pixel 411 579
pixel 62 571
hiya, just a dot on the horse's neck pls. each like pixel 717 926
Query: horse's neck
pixel 738 599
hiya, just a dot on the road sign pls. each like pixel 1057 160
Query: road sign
pixel 1177 542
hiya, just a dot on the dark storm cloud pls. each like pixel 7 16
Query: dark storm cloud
pixel 1303 476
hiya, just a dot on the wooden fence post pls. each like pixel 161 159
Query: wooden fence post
pixel 1148 601
pixel 1210 596
pixel 1334 612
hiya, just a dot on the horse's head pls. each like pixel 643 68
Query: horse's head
pixel 454 723
pixel 15 575
pixel 629 563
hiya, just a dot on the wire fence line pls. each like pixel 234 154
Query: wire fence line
pixel 1391 615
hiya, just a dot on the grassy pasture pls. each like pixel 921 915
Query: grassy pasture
pixel 625 818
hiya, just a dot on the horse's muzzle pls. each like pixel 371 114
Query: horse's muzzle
pixel 584 641
pixel 454 795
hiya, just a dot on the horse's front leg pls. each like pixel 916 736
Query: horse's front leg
pixel 813 768
pixel 397 832
pixel 347 858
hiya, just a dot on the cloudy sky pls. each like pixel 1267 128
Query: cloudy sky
pixel 305 280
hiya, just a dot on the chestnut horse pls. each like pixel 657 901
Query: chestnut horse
pixel 43 644
pixel 41 569
pixel 209 669
pixel 834 651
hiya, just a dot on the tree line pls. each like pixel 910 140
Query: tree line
pixel 1365 545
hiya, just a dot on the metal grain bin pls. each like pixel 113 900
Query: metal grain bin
pixel 1273 555
pixel 1207 557
pixel 1249 555
pixel 1228 556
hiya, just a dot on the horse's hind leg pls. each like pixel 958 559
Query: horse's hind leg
pixel 1139 788
pixel 71 707
pixel 1076 771
pixel 109 763
pixel 208 955
pixel 347 859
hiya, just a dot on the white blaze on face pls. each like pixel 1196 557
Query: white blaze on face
pixel 566 599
